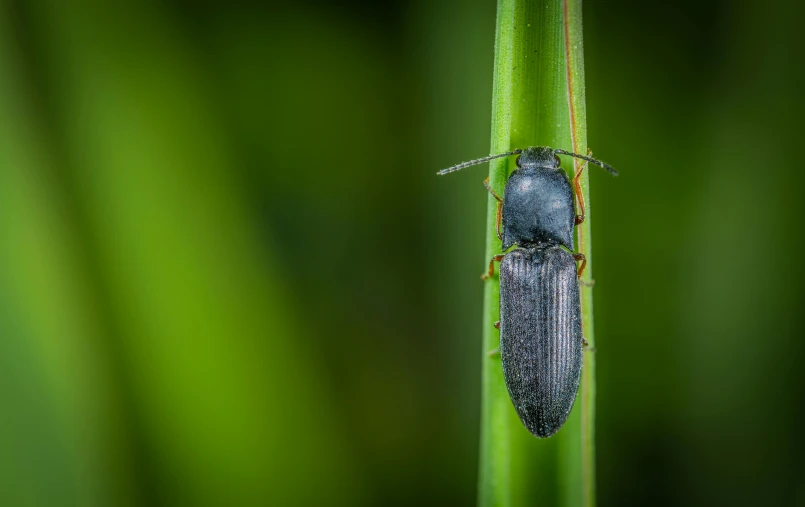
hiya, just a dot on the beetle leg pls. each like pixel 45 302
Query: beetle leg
pixel 494 352
pixel 491 191
pixel 497 325
pixel 491 272
pixel 500 207
pixel 577 186
pixel 584 343
pixel 581 258
pixel 591 283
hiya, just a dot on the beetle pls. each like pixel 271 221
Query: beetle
pixel 540 308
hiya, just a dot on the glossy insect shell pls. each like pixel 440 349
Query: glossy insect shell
pixel 540 335
pixel 538 205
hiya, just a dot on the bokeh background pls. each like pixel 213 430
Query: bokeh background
pixel 230 276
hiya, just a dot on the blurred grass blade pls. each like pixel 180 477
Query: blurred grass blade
pixel 538 99
pixel 208 348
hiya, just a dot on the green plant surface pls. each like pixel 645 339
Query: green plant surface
pixel 538 99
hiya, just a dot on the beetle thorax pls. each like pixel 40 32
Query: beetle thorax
pixel 538 208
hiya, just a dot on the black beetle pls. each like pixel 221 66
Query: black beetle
pixel 540 311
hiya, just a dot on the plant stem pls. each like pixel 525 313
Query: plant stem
pixel 493 481
pixel 574 54
pixel 538 99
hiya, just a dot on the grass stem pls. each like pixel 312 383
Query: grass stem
pixel 538 99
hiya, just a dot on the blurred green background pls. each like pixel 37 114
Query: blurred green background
pixel 230 276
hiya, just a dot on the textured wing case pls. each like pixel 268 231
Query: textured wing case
pixel 540 335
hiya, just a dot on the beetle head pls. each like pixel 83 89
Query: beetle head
pixel 538 156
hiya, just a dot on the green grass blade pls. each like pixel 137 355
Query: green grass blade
pixel 538 99
pixel 574 53
pixel 493 482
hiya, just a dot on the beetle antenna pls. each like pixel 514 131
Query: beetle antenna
pixel 477 161
pixel 588 159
